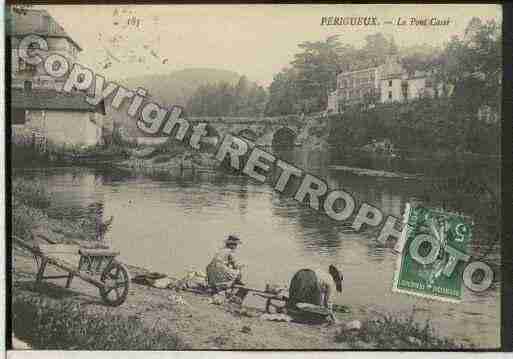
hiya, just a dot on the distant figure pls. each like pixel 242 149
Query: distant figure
pixel 102 227
pixel 314 287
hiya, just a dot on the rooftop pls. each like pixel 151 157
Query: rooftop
pixel 38 22
pixel 38 99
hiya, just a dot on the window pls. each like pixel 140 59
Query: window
pixel 389 95
pixel 404 89
pixel 21 64
pixel 17 116
pixel 485 113
pixel 389 83
pixel 52 28
pixel 27 85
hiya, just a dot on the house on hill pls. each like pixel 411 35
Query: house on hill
pixel 387 83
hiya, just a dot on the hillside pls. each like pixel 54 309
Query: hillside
pixel 176 87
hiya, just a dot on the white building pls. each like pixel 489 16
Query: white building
pixel 386 83
pixel 393 79
pixel 54 117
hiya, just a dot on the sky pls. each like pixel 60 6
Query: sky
pixel 123 41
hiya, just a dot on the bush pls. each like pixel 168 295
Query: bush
pixel 29 200
pixel 397 333
pixel 24 218
pixel 31 193
pixel 47 324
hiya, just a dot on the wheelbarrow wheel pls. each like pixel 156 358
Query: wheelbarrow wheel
pixel 273 308
pixel 116 279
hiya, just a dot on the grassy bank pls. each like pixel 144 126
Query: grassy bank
pixel 47 323
pixel 393 332
pixel 30 203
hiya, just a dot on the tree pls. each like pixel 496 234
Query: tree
pixel 473 65
pixel 283 93
pixel 419 57
pixel 223 99
pixel 313 73
pixel 241 93
pixel 375 51
pixel 316 67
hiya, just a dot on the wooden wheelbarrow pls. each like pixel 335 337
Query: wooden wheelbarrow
pixel 94 266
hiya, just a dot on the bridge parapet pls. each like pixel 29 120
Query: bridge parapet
pixel 279 120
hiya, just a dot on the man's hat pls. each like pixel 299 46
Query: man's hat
pixel 232 239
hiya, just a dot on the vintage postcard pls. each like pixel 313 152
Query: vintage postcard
pixel 254 177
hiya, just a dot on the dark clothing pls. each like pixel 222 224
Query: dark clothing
pixel 304 288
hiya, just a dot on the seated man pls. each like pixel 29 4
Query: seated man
pixel 224 271
pixel 314 287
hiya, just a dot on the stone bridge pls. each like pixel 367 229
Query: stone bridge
pixel 265 131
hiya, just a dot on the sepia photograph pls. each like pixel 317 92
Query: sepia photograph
pixel 254 177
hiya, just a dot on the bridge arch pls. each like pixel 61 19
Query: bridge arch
pixel 284 137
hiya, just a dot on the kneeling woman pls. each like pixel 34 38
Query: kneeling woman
pixel 314 287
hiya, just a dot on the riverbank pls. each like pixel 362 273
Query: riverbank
pixel 52 317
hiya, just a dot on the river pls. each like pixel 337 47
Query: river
pixel 176 222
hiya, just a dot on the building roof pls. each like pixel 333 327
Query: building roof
pixel 38 99
pixel 38 22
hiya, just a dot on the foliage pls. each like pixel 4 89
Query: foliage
pixel 419 57
pixel 30 204
pixel 392 332
pixel 50 324
pixel 24 218
pixel 421 127
pixel 283 94
pixel 29 200
pixel 177 87
pixel 472 65
pixel 303 87
pixel 444 124
pixel 31 193
pixel 223 99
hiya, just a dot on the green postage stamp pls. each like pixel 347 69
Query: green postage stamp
pixel 433 251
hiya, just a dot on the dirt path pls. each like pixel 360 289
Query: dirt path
pixel 198 323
